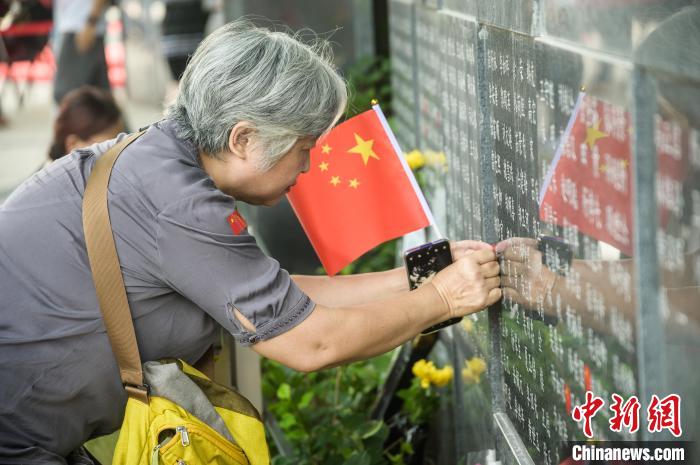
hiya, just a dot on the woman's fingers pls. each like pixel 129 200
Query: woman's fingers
pixel 515 269
pixel 483 256
pixel 462 248
pixel 492 283
pixel 512 294
pixel 516 248
pixel 495 295
pixel 490 269
pixel 508 281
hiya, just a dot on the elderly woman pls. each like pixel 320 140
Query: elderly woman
pixel 251 105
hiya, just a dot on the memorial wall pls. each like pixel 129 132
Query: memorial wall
pixel 579 121
pixel 347 24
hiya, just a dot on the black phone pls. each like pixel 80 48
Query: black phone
pixel 422 263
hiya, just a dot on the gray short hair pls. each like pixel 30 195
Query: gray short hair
pixel 287 89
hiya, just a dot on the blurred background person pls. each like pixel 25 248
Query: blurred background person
pixel 25 26
pixel 79 29
pixel 86 115
pixel 183 29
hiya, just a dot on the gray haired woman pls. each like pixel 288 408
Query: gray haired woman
pixel 251 105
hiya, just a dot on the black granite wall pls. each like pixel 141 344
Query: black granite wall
pixel 494 86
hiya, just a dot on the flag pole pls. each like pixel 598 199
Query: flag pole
pixel 416 188
pixel 560 148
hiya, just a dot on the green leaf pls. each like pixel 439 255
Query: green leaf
pixel 358 458
pixel 374 428
pixel 298 435
pixel 284 392
pixel 287 421
pixel 306 399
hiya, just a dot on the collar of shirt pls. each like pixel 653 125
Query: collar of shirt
pixel 169 127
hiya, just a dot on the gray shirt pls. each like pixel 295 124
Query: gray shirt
pixel 184 268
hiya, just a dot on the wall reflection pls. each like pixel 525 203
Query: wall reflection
pixel 583 128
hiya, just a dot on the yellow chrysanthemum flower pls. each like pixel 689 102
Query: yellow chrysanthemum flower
pixel 435 159
pixel 470 378
pixel 415 159
pixel 442 376
pixel 430 375
pixel 468 325
pixel 473 369
pixel 477 365
pixel 422 368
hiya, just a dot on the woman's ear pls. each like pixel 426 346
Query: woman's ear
pixel 239 139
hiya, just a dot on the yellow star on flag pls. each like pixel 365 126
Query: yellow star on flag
pixel 326 148
pixel 364 149
pixel 335 180
pixel 593 134
pixel 354 183
pixel 323 166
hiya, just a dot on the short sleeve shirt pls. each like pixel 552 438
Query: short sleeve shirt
pixel 72 15
pixel 185 269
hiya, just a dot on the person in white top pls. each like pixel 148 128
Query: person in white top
pixel 80 28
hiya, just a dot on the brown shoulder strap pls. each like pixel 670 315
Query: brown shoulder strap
pixel 107 275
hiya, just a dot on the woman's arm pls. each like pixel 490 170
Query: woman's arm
pixel 369 287
pixel 353 289
pixel 331 336
pixel 337 334
pixel 529 282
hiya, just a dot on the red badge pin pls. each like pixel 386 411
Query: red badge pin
pixel 237 223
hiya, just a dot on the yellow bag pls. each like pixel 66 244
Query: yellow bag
pixel 165 432
pixel 175 415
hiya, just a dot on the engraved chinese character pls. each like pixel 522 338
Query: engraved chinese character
pixel 530 72
pixel 491 60
pixel 569 191
pixel 616 225
pixel 505 99
pixel 546 92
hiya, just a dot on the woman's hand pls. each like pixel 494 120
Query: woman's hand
pixel 460 249
pixel 85 38
pixel 526 280
pixel 471 283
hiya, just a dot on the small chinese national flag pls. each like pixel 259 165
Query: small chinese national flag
pixel 237 223
pixel 358 193
pixel 589 182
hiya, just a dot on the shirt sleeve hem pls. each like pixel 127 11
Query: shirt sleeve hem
pixel 285 323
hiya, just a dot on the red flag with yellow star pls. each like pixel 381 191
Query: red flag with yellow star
pixel 358 193
pixel 588 184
